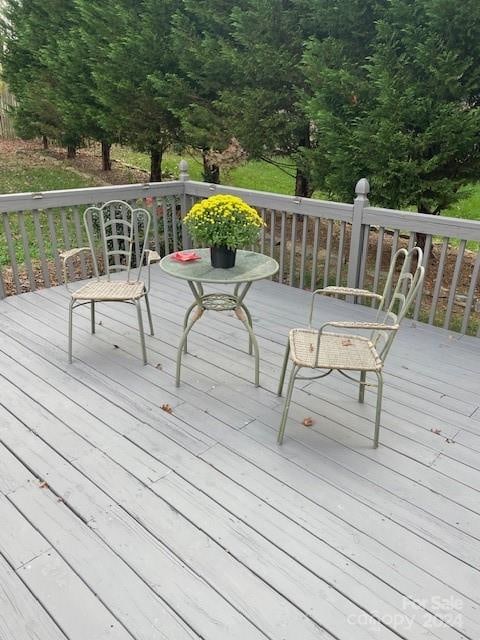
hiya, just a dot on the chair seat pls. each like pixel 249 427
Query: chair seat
pixel 110 291
pixel 337 351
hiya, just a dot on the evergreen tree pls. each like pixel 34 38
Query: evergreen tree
pixel 265 95
pixel 23 68
pixel 138 49
pixel 202 44
pixel 403 109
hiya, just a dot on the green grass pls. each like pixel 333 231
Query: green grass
pixel 262 176
pixel 20 178
pixel 469 207
pixel 255 174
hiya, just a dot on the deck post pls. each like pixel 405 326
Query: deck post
pixel 362 190
pixel 183 177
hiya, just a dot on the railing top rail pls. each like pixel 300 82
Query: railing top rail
pixel 264 199
pixel 423 223
pixel 13 202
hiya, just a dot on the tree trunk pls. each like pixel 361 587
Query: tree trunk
pixel 302 185
pixel 45 142
pixel 211 172
pixel 421 237
pixel 106 160
pixel 71 152
pixel 155 165
pixel 303 188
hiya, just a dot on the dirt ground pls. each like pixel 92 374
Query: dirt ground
pixel 87 164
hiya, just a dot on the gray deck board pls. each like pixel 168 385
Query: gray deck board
pixel 195 523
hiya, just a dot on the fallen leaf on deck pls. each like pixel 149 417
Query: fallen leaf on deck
pixel 43 484
pixel 346 343
pixel 100 322
pixel 158 366
pixel 115 346
pixel 436 431
pixel 307 422
pixel 167 408
pixel 311 348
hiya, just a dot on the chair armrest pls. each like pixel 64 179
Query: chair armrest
pixel 71 253
pixel 152 256
pixel 360 325
pixel 342 291
pixel 347 291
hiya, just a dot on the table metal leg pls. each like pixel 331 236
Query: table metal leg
pixel 185 322
pixel 197 315
pixel 243 315
pixel 218 302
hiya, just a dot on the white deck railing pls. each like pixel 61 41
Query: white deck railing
pixel 317 243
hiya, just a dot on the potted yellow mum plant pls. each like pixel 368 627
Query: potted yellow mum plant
pixel 224 223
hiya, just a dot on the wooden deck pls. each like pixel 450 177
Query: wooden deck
pixel 120 520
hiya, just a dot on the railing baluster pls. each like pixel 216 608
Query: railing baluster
pixel 3 292
pixel 438 281
pixel 11 252
pixel 395 237
pixel 262 231
pixel 303 251
pixel 66 240
pixel 41 248
pixel 363 261
pixel 328 249
pixel 166 235
pixel 426 258
pixel 79 240
pixel 281 259
pixel 272 233
pixel 156 240
pixel 316 234
pixel 454 283
pixel 174 224
pixel 293 244
pixel 378 262
pixel 470 295
pixel 411 244
pixel 53 243
pixel 26 250
pixel 341 246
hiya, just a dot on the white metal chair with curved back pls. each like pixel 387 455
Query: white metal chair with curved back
pixel 118 227
pixel 319 349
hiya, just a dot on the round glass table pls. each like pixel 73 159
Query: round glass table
pixel 249 266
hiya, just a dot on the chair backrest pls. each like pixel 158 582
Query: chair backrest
pixel 401 288
pixel 122 232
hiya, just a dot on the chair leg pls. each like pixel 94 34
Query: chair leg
pixel 284 369
pixel 92 316
pixel 361 390
pixel 141 331
pixel 149 313
pixel 286 406
pixel 70 331
pixel 378 409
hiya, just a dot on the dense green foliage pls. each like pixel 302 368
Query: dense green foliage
pixel 402 107
pixel 388 89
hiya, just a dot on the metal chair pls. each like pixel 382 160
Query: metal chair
pixel 117 226
pixel 318 349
